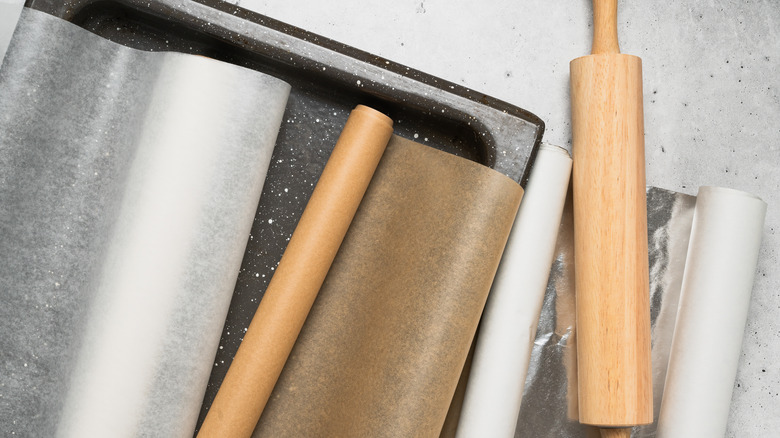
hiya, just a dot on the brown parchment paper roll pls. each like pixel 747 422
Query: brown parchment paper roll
pixel 385 342
pixel 299 276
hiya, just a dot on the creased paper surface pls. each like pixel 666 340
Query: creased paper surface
pixel 128 185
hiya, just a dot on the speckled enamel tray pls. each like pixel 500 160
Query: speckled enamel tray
pixel 328 79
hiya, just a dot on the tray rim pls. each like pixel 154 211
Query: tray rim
pixel 172 11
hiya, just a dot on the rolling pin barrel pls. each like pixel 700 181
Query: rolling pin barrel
pixel 610 219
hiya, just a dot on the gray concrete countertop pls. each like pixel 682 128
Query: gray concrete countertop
pixel 712 105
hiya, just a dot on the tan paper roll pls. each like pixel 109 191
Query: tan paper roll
pixel 384 345
pixel 299 276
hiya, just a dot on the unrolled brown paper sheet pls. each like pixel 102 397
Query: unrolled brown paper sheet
pixel 299 276
pixel 385 342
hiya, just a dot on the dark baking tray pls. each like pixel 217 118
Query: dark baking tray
pixel 328 79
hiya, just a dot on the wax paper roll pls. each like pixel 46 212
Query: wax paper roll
pixel 383 347
pixel 508 326
pixel 714 301
pixel 129 184
pixel 299 276
pixel 9 15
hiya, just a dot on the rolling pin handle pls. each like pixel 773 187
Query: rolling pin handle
pixel 605 38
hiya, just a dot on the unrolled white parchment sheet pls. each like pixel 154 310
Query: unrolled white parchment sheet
pixel 129 181
pixel 714 301
pixel 508 325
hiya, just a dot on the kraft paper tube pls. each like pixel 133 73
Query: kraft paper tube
pixel 384 345
pixel 508 325
pixel 299 276
pixel 714 301
pixel 610 232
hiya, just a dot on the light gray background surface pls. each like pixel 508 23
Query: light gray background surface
pixel 712 105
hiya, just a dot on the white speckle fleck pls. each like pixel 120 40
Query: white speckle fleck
pixel 257 274
pixel 286 190
pixel 416 135
pixel 317 120
pixel 358 82
pixel 270 221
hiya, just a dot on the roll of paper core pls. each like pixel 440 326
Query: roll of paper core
pixel 508 326
pixel 610 232
pixel 713 309
pixel 298 278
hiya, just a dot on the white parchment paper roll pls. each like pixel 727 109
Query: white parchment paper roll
pixel 508 326
pixel 714 300
pixel 129 182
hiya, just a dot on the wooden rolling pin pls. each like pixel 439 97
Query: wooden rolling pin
pixel 610 233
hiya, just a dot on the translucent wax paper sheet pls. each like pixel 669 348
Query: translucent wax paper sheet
pixel 128 184
pixel 549 407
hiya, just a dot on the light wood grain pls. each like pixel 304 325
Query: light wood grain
pixel 615 433
pixel 605 37
pixel 610 233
